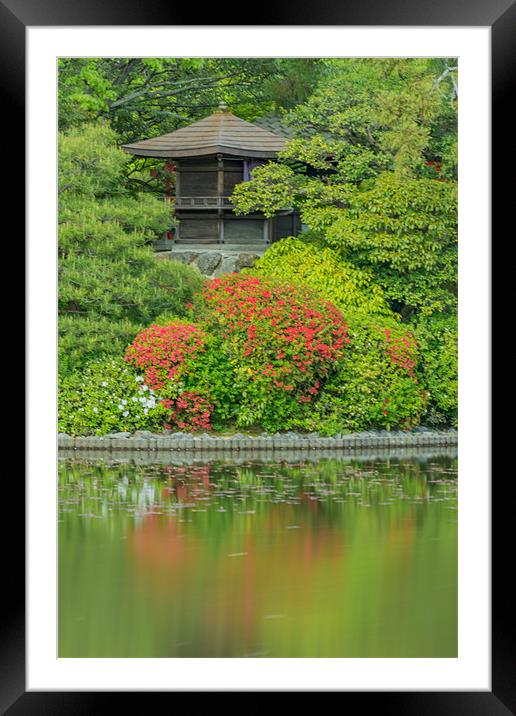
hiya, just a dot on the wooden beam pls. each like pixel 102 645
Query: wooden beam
pixel 178 182
pixel 220 175
pixel 220 193
pixel 268 231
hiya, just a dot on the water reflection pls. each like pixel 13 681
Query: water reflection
pixel 336 558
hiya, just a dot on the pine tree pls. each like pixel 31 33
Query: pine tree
pixel 110 283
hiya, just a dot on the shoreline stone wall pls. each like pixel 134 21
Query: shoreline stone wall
pixel 150 442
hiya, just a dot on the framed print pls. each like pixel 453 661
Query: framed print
pixel 359 572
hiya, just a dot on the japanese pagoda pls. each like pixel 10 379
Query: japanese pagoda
pixel 211 157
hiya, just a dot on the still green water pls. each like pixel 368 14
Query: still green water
pixel 335 558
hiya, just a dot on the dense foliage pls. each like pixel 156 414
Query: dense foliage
pixel 110 284
pixel 405 233
pixel 402 231
pixel 261 353
pixel 428 392
pixel 437 337
pixel 372 169
pixel 189 370
pixel 352 290
pixel 352 325
pixel 368 116
pixel 148 96
pixel 107 396
pixel 373 386
pixel 281 340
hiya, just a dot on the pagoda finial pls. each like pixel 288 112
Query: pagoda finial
pixel 222 108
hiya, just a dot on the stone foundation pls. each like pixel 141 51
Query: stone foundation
pixel 367 440
pixel 216 260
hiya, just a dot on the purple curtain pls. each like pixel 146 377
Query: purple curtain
pixel 249 166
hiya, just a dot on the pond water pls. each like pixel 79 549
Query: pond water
pixel 329 558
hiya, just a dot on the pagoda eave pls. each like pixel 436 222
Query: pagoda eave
pixel 207 151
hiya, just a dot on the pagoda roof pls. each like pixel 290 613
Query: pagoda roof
pixel 220 133
pixel 275 124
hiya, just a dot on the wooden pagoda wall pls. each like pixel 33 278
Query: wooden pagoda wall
pixel 203 210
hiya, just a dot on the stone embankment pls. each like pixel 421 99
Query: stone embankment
pixel 143 440
pixel 214 261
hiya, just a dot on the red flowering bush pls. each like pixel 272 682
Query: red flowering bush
pixel 266 353
pixel 282 340
pixel 402 350
pixel 160 351
pixel 190 411
pixel 189 372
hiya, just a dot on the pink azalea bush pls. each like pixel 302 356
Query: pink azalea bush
pixel 161 351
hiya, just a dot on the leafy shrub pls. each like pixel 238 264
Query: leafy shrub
pixel 374 384
pixel 355 293
pixel 189 370
pixel 258 358
pixel 83 339
pixel 209 373
pixel 280 339
pixel 438 367
pixel 269 354
pixel 107 395
pixel 321 269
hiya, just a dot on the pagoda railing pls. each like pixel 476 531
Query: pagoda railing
pixel 203 202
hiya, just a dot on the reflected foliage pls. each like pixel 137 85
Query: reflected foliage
pixel 338 558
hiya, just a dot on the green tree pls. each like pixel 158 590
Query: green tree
pixel 110 282
pixel 368 115
pixel 145 97
pixel 405 233
pixel 371 170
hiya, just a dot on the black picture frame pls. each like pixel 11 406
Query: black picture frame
pixel 500 16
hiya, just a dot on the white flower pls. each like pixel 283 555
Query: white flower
pixel 125 413
pixel 145 411
pixel 139 379
pixel 104 383
pixel 95 410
